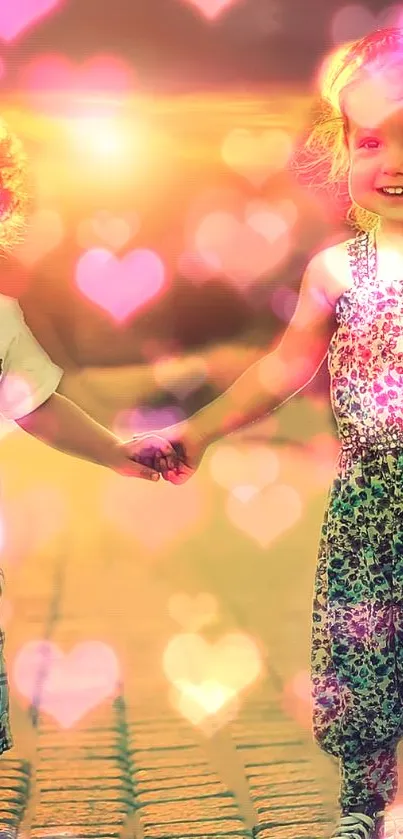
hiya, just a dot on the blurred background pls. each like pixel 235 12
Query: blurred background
pixel 160 166
pixel 162 255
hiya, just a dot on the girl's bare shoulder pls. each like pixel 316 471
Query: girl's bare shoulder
pixel 336 270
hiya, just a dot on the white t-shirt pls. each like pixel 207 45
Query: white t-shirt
pixel 28 377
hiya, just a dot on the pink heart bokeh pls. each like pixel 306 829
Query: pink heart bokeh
pixel 179 376
pixel 17 15
pixel 235 466
pixel 243 249
pixel 71 684
pixel 193 612
pixel 256 156
pixel 211 9
pixel 157 516
pixel 266 514
pixel 121 287
pixel 354 21
pixel 113 231
pixel 97 86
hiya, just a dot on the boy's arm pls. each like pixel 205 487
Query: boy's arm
pixel 61 424
pixel 65 427
pixel 28 382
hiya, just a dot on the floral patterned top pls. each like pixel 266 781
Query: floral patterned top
pixel 365 357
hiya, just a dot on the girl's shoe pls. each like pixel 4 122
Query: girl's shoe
pixel 361 826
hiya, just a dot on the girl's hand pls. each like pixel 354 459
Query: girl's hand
pixel 188 448
pixel 135 458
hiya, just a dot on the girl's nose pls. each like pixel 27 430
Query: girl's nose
pixel 393 163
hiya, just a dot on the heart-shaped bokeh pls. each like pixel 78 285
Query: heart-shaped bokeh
pixel 223 229
pixel 120 286
pixel 158 516
pixel 66 685
pixel 354 20
pixel 97 87
pixel 192 613
pixel 323 450
pixel 233 466
pixel 374 100
pixel 211 9
pixel 242 250
pixel 18 15
pixel 206 675
pixel 180 376
pixel 113 231
pixel 256 156
pixel 264 514
pixel 190 702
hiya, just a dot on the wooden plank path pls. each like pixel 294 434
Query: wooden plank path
pixel 132 767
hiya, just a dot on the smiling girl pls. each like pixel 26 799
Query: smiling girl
pixel 350 309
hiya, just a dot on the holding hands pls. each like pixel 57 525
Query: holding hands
pixel 174 452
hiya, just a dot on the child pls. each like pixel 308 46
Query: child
pixel 350 308
pixel 28 385
pixel 29 381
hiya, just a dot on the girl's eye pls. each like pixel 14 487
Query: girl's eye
pixel 369 142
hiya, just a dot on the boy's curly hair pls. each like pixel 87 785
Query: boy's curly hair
pixel 15 189
pixel 325 149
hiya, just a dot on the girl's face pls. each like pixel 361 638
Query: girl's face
pixel 376 162
pixel 375 143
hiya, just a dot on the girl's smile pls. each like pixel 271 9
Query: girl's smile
pixel 390 196
pixel 376 169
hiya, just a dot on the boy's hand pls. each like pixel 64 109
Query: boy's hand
pixel 135 458
pixel 188 449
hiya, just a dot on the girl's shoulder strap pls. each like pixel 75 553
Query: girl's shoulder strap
pixel 362 256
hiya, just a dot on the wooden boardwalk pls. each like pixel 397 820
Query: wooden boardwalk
pixel 112 749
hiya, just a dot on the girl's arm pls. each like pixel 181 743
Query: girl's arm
pixel 268 383
pixel 104 391
pixel 283 372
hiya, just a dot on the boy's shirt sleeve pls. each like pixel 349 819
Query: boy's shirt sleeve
pixel 28 377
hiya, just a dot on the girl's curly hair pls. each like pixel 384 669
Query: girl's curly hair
pixel 325 150
pixel 15 189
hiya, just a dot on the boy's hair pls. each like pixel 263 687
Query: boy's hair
pixel 325 150
pixel 15 189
